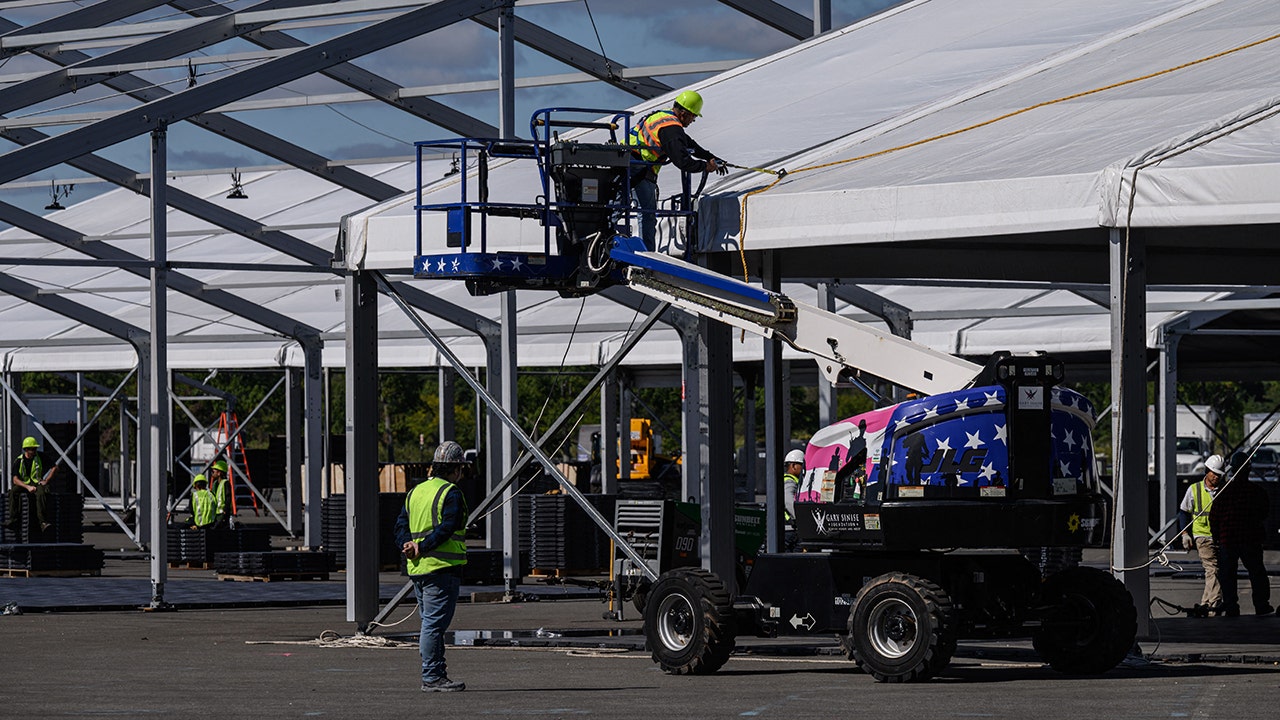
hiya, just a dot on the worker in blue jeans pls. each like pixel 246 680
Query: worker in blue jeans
pixel 431 532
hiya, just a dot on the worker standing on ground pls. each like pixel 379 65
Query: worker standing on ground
pixel 431 532
pixel 29 476
pixel 222 511
pixel 202 503
pixel 1194 512
pixel 660 138
pixel 792 469
pixel 1237 518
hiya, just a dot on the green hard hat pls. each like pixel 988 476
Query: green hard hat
pixel 30 443
pixel 220 465
pixel 691 101
pixel 199 478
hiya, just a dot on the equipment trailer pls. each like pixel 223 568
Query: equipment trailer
pixel 912 517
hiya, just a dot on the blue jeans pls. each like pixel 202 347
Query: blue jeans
pixel 646 192
pixel 437 595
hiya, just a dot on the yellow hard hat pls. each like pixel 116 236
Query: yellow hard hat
pixel 198 479
pixel 29 442
pixel 691 101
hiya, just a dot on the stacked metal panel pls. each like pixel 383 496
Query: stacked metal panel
pixel 65 513
pixel 484 567
pixel 199 545
pixel 333 527
pixel 557 534
pixel 51 557
pixel 275 562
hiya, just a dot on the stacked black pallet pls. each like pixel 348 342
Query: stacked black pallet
pixel 65 514
pixel 51 558
pixel 275 562
pixel 484 567
pixel 557 534
pixel 333 527
pixel 198 546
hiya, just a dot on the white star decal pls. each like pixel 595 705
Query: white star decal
pixel 944 444
pixel 973 440
pixel 440 265
pixel 988 471
pixel 1070 440
pixel 1064 468
pixel 453 266
pixel 1001 434
pixel 962 404
pixel 931 412
pixel 903 422
pixel 497 263
pixel 516 264
pixel 990 398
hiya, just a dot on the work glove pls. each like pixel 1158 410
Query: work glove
pixel 1188 542
pixel 721 167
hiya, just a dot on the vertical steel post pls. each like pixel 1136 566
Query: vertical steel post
pixel 362 448
pixel 158 426
pixel 609 435
pixel 827 404
pixel 315 409
pixel 293 443
pixel 1166 436
pixel 1129 397
pixel 507 125
pixel 821 16
pixel 776 441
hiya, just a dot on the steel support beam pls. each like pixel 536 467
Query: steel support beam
pixel 1166 427
pixel 156 420
pixel 447 426
pixel 610 438
pixel 821 16
pixel 576 56
pixel 776 442
pixel 716 450
pixel 305 61
pixel 1129 397
pixel 776 16
pixel 294 411
pixel 362 448
pixel 315 432
pixel 827 397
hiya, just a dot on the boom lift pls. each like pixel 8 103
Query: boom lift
pixel 912 516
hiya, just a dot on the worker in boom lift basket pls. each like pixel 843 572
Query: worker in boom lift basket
pixel 660 138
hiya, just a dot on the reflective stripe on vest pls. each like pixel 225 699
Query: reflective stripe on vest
pixel 425 504
pixel 1202 499
pixel 31 473
pixel 646 133
pixel 220 496
pixel 786 515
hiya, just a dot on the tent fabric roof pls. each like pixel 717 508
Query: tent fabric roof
pixel 918 70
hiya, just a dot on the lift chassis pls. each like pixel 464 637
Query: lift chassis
pixel 915 520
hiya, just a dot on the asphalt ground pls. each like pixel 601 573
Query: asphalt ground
pixel 558 657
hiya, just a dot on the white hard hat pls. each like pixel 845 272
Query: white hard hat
pixel 797 456
pixel 1216 465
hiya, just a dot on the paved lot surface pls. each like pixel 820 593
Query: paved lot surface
pixel 559 658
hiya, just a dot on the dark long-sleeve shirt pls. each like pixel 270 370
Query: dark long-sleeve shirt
pixel 685 153
pixel 1237 514
pixel 452 517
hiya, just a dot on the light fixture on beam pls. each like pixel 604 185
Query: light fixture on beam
pixel 58 191
pixel 237 189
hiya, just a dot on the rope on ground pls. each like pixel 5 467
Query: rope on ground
pixel 331 639
pixel 742 222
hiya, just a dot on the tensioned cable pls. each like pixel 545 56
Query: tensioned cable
pixel 742 223
pixel 608 66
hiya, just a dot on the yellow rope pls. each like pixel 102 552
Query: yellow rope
pixel 742 222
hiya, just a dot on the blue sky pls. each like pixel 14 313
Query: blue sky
pixel 655 32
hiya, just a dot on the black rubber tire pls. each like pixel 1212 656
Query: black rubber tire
pixel 901 628
pixel 1089 623
pixel 688 622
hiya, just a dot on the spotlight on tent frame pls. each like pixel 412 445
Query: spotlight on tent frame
pixel 237 189
pixel 57 191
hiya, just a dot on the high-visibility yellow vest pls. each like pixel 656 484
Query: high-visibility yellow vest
pixel 202 507
pixel 31 473
pixel 220 496
pixel 646 133
pixel 785 477
pixel 425 504
pixel 1201 500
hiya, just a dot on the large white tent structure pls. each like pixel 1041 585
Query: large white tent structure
pixel 971 172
